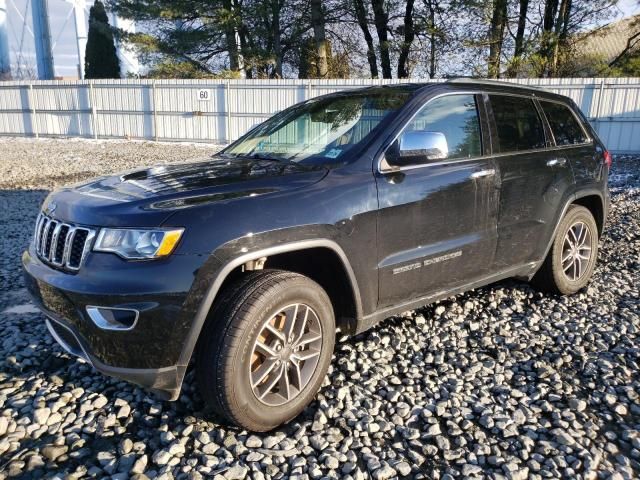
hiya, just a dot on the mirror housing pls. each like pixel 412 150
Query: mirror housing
pixel 418 147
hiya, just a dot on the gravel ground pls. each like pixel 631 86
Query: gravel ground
pixel 502 382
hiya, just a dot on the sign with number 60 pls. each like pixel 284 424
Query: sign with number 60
pixel 204 95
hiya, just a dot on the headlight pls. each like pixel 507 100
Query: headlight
pixel 138 244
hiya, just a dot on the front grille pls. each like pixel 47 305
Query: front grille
pixel 61 244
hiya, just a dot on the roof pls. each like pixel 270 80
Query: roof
pixel 477 84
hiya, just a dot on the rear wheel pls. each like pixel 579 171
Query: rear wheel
pixel 266 349
pixel 572 257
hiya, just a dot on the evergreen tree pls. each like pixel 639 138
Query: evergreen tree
pixel 101 60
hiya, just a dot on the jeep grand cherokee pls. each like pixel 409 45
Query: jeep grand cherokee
pixel 330 216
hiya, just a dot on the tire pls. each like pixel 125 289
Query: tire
pixel 565 277
pixel 237 348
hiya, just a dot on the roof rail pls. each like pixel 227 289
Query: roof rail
pixel 482 81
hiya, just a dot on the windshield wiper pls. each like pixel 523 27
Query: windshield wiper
pixel 266 156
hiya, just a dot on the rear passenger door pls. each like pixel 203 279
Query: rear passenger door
pixel 534 179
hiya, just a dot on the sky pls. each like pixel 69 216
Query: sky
pixel 63 34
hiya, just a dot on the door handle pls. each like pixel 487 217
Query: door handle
pixel 483 173
pixel 556 162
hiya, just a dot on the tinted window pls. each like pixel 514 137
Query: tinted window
pixel 456 117
pixel 566 129
pixel 518 124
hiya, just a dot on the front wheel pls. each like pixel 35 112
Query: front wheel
pixel 572 257
pixel 266 349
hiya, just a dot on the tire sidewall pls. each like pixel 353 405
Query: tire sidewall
pixel 242 399
pixel 564 284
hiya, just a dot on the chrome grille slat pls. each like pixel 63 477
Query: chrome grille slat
pixel 37 234
pixel 54 243
pixel 45 235
pixel 48 239
pixel 67 245
pixel 43 226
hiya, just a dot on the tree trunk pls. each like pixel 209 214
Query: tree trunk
pixel 548 22
pixel 496 37
pixel 560 35
pixel 230 39
pixel 432 39
pixel 277 44
pixel 409 35
pixel 550 10
pixel 319 35
pixel 243 36
pixel 361 15
pixel 522 25
pixel 381 20
pixel 519 40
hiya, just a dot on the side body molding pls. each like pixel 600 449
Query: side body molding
pixel 212 292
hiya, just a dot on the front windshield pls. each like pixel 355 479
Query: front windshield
pixel 323 130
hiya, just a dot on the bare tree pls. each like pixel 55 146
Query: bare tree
pixel 496 37
pixel 319 34
pixel 363 22
pixel 409 36
pixel 381 20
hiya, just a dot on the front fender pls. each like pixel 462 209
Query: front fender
pixel 230 256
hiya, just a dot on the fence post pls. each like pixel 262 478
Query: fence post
pixel 309 90
pixel 227 112
pixel 94 113
pixel 596 119
pixel 155 110
pixel 32 108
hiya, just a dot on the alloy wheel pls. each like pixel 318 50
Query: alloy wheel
pixel 576 251
pixel 285 354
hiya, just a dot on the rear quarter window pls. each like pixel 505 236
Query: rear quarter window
pixel 564 125
pixel 518 124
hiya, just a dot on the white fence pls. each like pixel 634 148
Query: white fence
pixel 221 111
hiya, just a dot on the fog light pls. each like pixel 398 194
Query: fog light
pixel 109 318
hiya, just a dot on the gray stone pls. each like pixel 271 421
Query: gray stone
pixel 253 441
pixel 52 452
pixel 41 415
pixel 161 457
pixel 383 473
pixel 236 472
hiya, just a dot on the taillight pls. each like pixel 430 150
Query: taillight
pixel 608 160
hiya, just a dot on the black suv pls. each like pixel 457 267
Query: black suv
pixel 330 216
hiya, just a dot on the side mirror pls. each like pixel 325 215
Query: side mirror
pixel 416 147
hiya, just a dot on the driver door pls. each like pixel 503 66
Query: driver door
pixel 437 218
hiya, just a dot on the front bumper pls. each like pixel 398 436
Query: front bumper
pixel 148 354
pixel 164 382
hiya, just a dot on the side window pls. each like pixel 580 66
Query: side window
pixel 456 118
pixel 564 125
pixel 517 122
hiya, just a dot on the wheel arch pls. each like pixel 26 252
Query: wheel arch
pixel 286 256
pixel 587 198
pixel 595 204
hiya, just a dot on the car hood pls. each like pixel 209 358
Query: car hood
pixel 148 196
